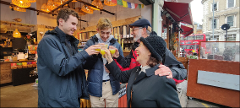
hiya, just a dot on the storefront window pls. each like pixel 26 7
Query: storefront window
pixel 231 37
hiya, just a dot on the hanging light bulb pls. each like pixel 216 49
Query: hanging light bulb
pixel 22 3
pixel 16 34
pixel 51 5
pixel 87 9
pixel 74 1
pixel 80 12
pixel 57 2
pixel 98 4
pixel 44 8
pixel 109 3
pixel 19 9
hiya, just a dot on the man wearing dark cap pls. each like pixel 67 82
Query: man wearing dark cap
pixel 170 66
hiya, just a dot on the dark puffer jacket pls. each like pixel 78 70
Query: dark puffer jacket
pixel 62 80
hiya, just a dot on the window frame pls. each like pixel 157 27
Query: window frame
pixel 216 23
pixel 212 5
pixel 234 20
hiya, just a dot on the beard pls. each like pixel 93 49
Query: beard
pixel 137 36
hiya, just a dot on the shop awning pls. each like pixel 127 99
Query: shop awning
pixel 186 30
pixel 180 12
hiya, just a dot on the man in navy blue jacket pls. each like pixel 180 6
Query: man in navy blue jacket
pixel 62 80
pixel 102 87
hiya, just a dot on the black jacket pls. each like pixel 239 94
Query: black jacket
pixel 148 90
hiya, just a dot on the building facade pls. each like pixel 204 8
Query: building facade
pixel 225 12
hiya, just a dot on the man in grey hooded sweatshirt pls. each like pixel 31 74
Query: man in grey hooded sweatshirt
pixel 102 87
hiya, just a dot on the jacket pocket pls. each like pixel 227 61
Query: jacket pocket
pixel 64 89
pixel 95 89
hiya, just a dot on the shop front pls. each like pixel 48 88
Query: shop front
pixel 18 63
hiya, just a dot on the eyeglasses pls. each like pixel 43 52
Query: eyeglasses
pixel 136 29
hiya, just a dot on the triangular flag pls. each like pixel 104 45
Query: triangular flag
pixel 133 5
pixel 142 5
pixel 119 2
pixel 114 1
pixel 129 5
pixel 136 5
pixel 139 6
pixel 124 3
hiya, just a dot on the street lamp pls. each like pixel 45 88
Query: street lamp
pixel 225 27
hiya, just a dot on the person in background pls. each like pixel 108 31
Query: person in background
pixel 61 78
pixel 102 87
pixel 144 88
pixel 170 68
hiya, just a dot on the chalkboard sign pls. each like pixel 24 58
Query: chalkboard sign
pixel 18 43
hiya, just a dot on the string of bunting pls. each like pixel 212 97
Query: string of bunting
pixel 128 4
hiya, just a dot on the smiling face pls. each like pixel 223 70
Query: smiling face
pixel 143 54
pixel 69 26
pixel 137 33
pixel 105 33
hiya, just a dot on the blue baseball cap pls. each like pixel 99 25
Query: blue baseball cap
pixel 141 23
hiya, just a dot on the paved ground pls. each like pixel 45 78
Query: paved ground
pixel 26 96
pixel 19 96
pixel 192 102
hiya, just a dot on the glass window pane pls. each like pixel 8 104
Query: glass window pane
pixel 200 37
pixel 230 20
pixel 230 3
pixel 215 23
pixel 190 37
pixel 215 6
pixel 182 38
pixel 231 37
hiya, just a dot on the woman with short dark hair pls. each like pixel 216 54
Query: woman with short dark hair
pixel 144 88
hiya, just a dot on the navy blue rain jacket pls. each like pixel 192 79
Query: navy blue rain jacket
pixel 62 80
pixel 95 66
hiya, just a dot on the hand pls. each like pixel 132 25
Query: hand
pixel 116 54
pixel 106 69
pixel 108 56
pixel 164 71
pixel 92 49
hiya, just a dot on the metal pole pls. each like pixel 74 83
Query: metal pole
pixel 213 25
pixel 226 36
pixel 213 20
pixel 179 41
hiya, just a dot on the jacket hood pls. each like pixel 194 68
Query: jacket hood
pixel 112 40
pixel 62 36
